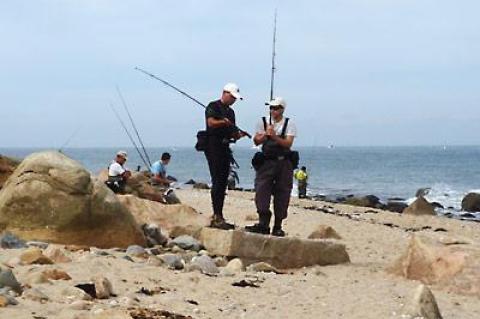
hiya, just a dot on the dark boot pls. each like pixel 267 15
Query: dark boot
pixel 258 228
pixel 220 223
pixel 277 231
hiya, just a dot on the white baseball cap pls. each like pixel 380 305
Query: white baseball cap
pixel 278 101
pixel 122 154
pixel 233 89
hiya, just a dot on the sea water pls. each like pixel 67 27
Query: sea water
pixel 387 172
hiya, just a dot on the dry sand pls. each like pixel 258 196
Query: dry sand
pixel 361 289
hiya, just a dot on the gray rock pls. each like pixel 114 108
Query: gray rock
pixel 103 288
pixel 173 261
pixel 74 293
pixel 263 267
pixel 136 251
pixel 235 265
pixel 128 258
pixel 423 192
pixel 471 202
pixel 154 235
pixel 187 242
pixel 424 305
pixel 7 279
pixel 38 244
pixel 204 264
pixel 6 299
pixel 35 295
pixel 10 241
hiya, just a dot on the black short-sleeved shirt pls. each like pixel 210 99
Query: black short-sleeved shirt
pixel 219 111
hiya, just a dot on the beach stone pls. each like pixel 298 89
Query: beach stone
pixel 165 216
pixel 6 300
pixel 471 202
pixel 187 243
pixel 10 241
pixel 420 207
pixel 35 294
pixel 52 198
pixel 263 267
pixel 154 235
pixel 34 255
pixel 191 230
pixel 190 182
pixel 423 304
pixel 201 186
pixel 103 288
pixel 154 261
pixel 220 261
pixel 7 279
pixel 422 192
pixel 324 232
pixel 74 293
pixel 173 261
pixel 395 206
pixel 55 274
pixel 204 264
pixel 452 268
pixel 136 251
pixel 281 252
pixel 7 167
pixel 56 254
pixel 365 201
pixel 235 265
pixel 36 278
pixel 39 244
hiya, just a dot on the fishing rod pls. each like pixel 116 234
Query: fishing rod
pixel 129 135
pixel 134 126
pixel 60 150
pixel 184 94
pixel 272 74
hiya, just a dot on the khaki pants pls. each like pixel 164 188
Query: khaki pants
pixel 273 178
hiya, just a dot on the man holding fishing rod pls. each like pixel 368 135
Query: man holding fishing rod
pixel 221 131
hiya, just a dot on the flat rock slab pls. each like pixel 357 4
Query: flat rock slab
pixel 280 252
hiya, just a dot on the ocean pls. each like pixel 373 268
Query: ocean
pixel 387 172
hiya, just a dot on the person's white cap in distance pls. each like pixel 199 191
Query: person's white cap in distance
pixel 122 154
pixel 278 101
pixel 233 89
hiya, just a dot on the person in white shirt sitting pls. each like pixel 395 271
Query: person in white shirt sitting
pixel 118 174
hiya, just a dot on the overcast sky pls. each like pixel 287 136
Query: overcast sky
pixel 354 72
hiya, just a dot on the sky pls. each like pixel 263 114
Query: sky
pixel 353 72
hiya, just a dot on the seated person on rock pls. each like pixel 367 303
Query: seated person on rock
pixel 159 170
pixel 118 174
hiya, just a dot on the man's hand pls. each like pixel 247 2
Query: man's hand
pixel 270 132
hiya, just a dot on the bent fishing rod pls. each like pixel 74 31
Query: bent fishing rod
pixel 272 74
pixel 185 94
pixel 129 135
pixel 133 125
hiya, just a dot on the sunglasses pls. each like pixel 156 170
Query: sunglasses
pixel 276 107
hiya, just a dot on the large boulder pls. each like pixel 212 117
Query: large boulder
pixel 471 202
pixel 280 252
pixel 452 267
pixel 168 217
pixel 52 198
pixel 7 166
pixel 420 207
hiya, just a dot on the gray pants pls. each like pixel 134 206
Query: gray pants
pixel 274 177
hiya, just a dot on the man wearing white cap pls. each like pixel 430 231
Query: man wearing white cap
pixel 274 173
pixel 118 174
pixel 221 129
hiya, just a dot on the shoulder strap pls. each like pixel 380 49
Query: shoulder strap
pixel 284 129
pixel 264 123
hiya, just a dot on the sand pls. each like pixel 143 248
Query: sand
pixel 360 289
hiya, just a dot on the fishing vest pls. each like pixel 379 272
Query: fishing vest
pixel 270 148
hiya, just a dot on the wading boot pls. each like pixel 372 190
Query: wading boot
pixel 277 231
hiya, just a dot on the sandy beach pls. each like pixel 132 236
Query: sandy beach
pixel 360 289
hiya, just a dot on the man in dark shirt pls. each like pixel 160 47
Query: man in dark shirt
pixel 221 129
